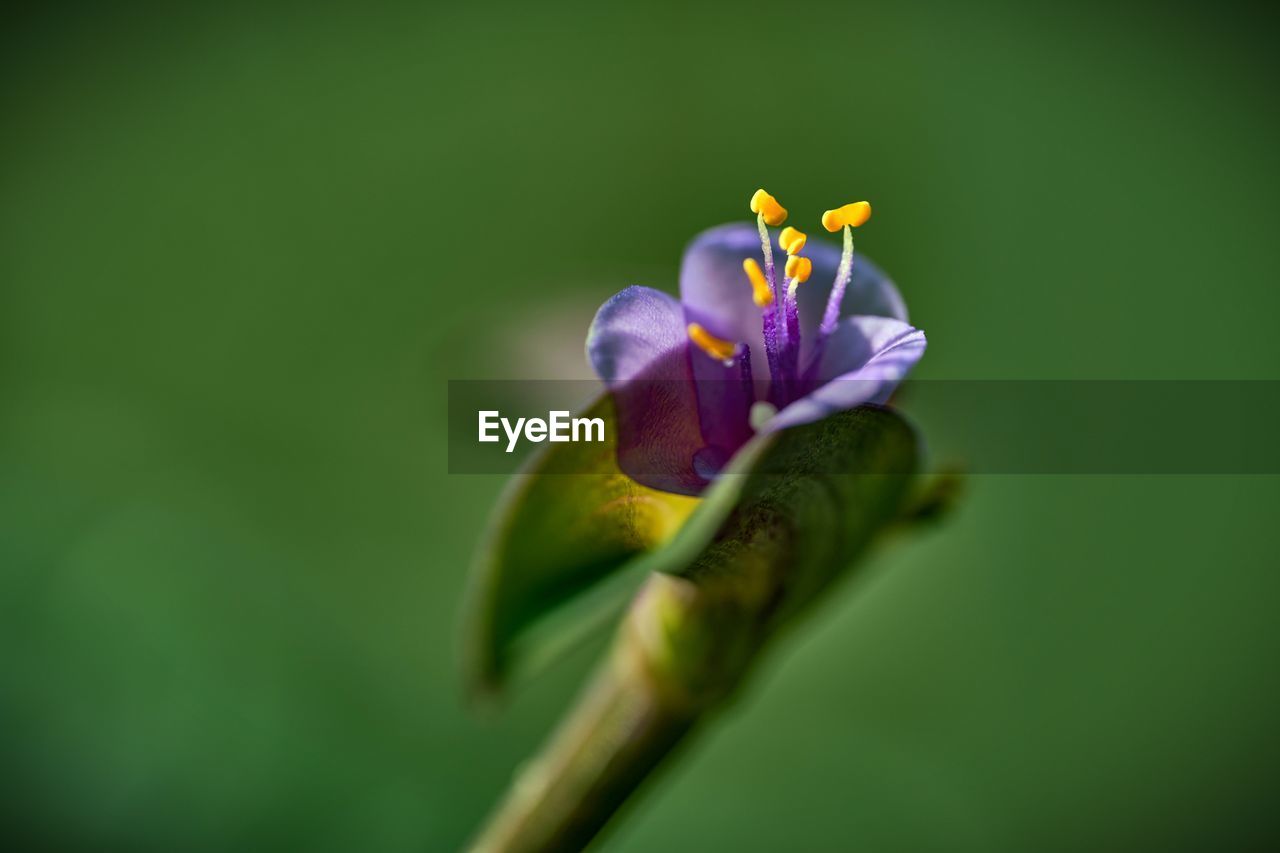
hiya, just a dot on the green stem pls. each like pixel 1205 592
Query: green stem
pixel 622 728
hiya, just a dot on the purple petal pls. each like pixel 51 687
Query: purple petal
pixel 631 331
pixel 864 360
pixel 725 394
pixel 715 290
pixel 638 345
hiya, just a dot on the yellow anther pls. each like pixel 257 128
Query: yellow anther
pixel 717 348
pixel 767 206
pixel 760 291
pixel 792 240
pixel 852 215
pixel 799 268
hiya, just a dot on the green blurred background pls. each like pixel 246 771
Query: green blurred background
pixel 241 252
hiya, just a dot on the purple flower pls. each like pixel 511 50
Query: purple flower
pixel 745 349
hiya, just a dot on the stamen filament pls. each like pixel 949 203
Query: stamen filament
pixel 791 350
pixel 766 246
pixel 798 270
pixel 772 318
pixel 831 315
pixel 843 273
pixel 793 313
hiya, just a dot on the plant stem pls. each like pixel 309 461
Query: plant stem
pixel 622 728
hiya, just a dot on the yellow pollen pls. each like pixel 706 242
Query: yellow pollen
pixel 717 348
pixel 799 268
pixel 760 291
pixel 767 206
pixel 852 215
pixel 792 240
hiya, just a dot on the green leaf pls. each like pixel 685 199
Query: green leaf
pixel 548 566
pixel 792 510
pixel 812 497
pixel 791 515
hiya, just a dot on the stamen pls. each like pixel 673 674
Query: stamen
pixel 772 320
pixel 792 240
pixel 843 273
pixel 766 246
pixel 717 348
pixel 799 269
pixel 851 215
pixel 760 291
pixel 790 356
pixel 767 207
pixel 831 315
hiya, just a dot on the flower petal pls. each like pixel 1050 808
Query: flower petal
pixel 631 331
pixel 864 360
pixel 638 345
pixel 715 290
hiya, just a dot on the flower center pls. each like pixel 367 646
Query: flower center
pixel 780 314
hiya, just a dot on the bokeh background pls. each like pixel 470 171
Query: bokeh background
pixel 242 250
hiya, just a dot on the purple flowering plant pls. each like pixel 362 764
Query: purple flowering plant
pixel 753 460
pixel 822 346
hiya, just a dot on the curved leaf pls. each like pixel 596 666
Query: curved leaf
pixel 563 528
pixel 791 515
pixel 564 550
